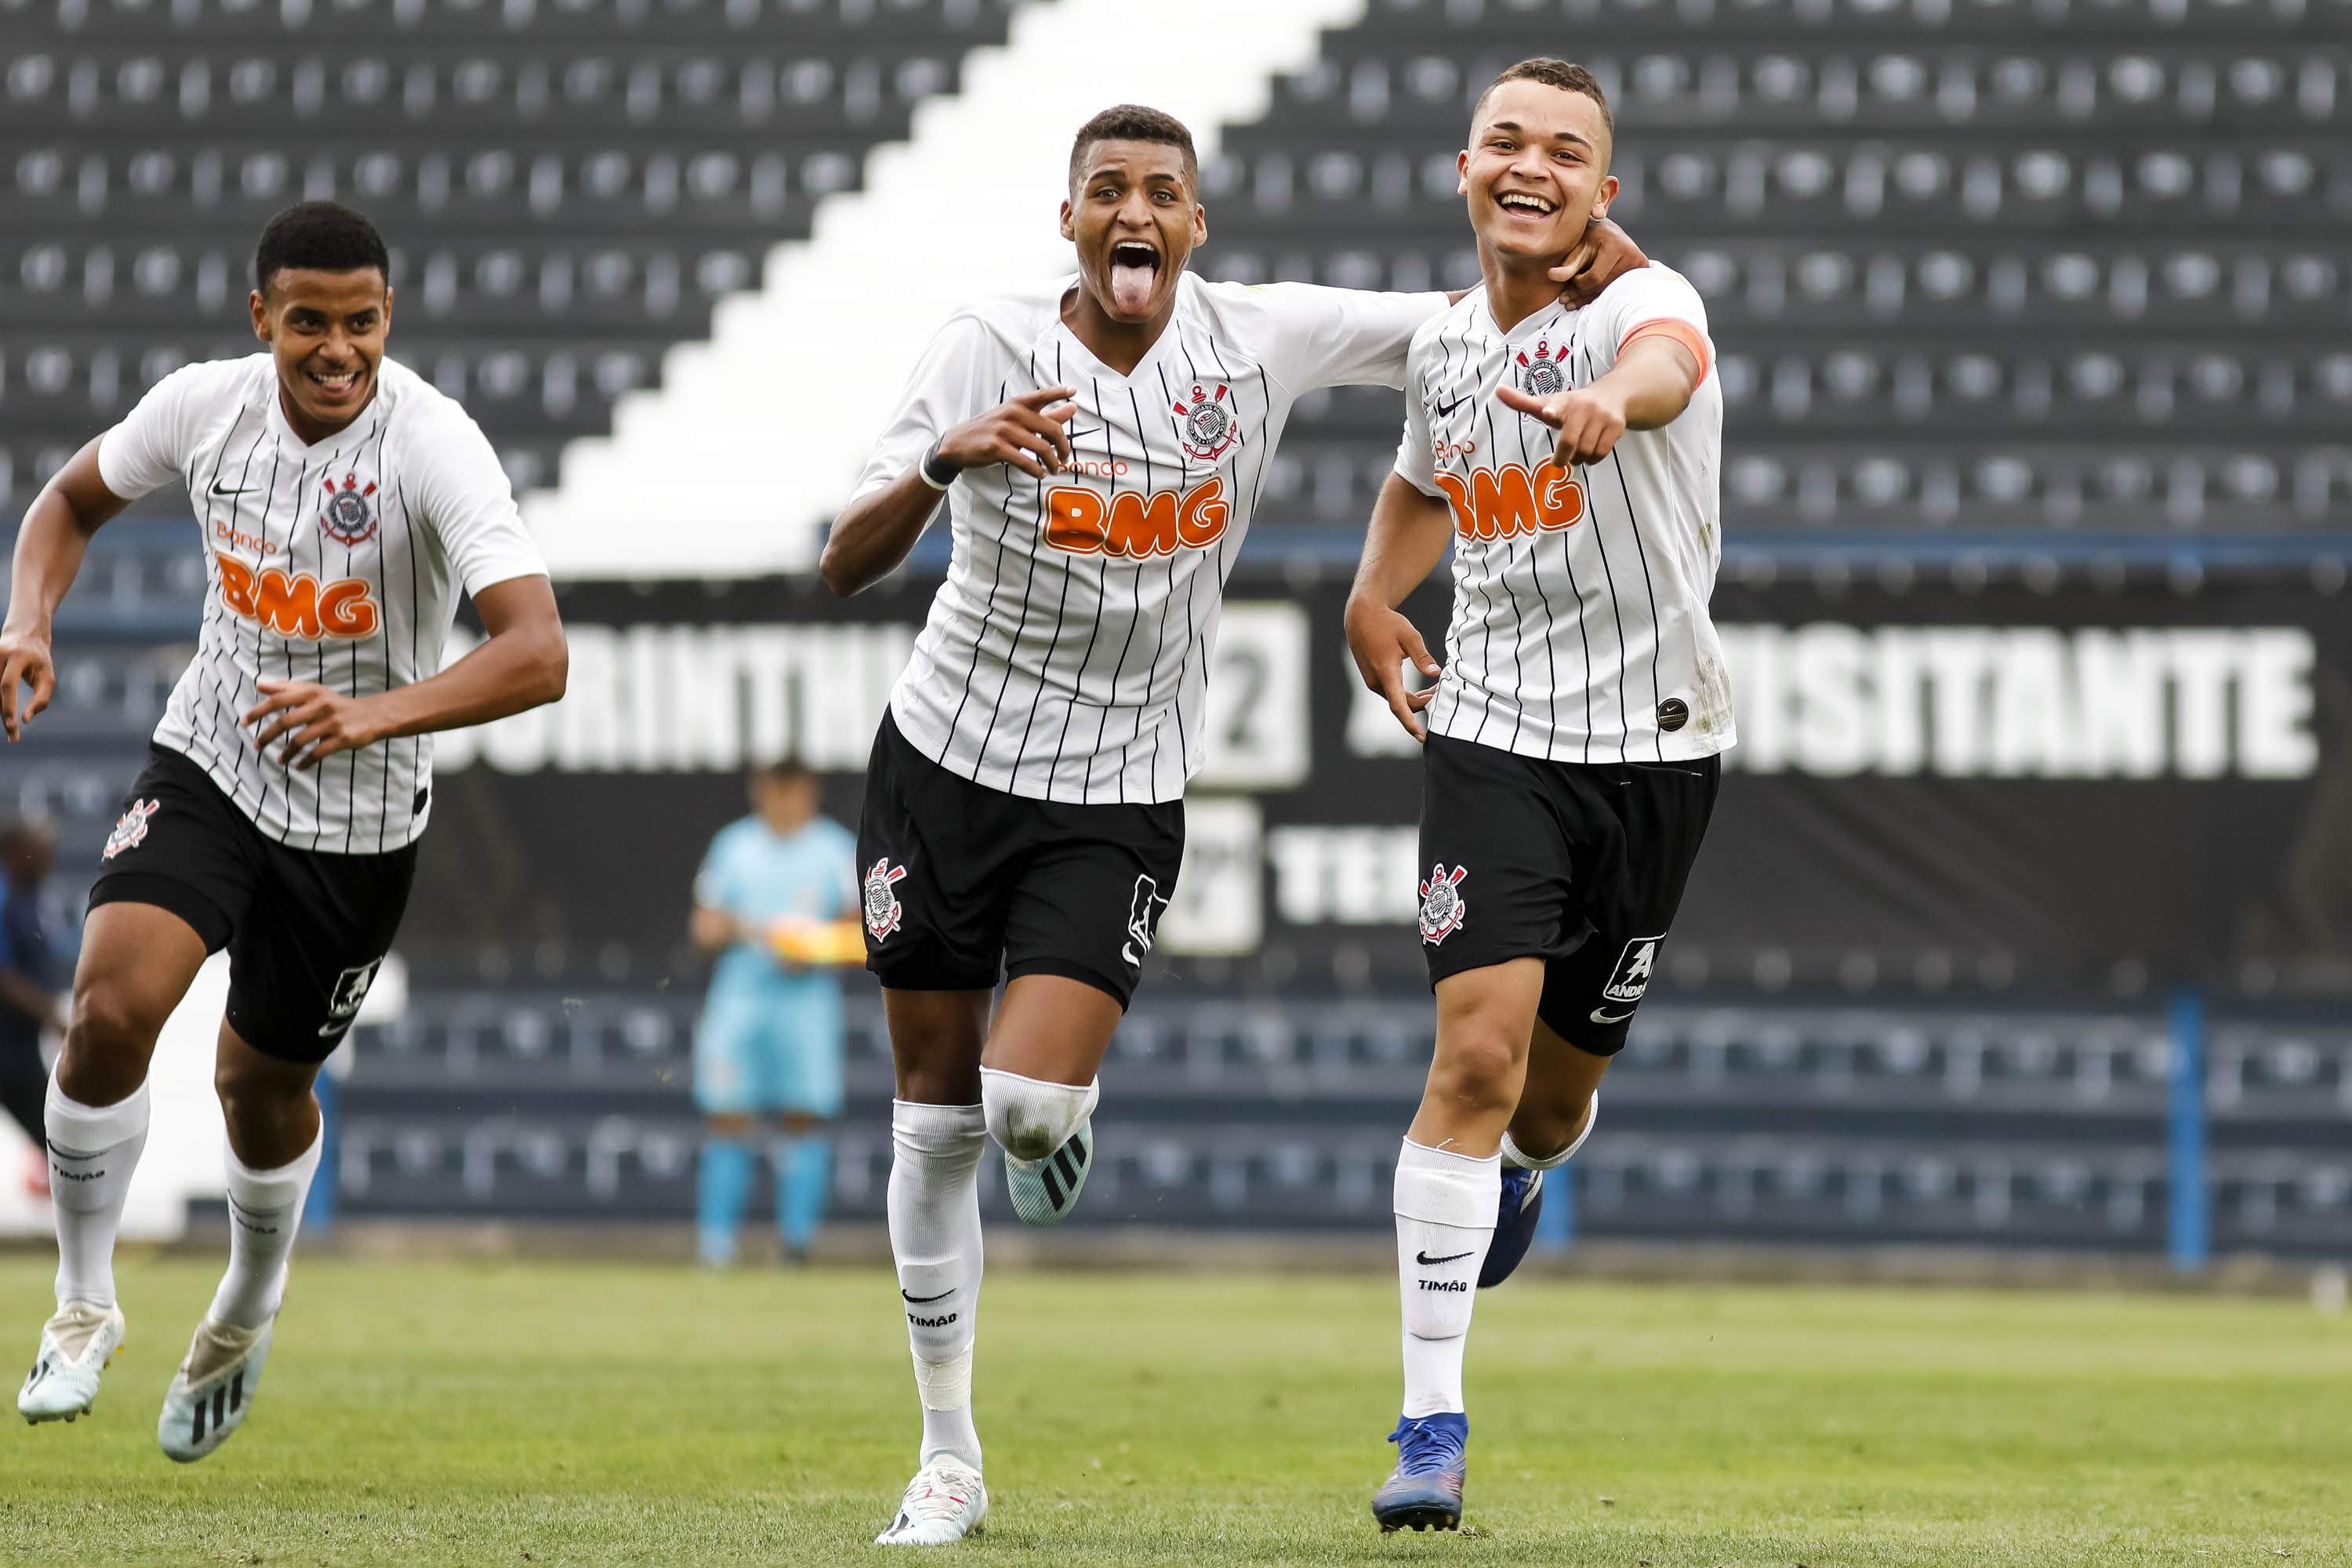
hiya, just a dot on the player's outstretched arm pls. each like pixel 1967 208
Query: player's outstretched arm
pixel 874 531
pixel 71 507
pixel 522 663
pixel 1647 390
pixel 1406 542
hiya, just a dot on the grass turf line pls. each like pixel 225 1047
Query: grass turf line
pixel 578 1414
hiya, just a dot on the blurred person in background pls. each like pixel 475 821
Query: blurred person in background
pixel 773 900
pixel 31 1002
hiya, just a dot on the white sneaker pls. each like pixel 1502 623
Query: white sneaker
pixel 944 1502
pixel 76 1345
pixel 212 1393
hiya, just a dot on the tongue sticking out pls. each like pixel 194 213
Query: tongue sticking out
pixel 1130 286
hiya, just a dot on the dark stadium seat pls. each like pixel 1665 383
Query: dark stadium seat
pixel 1950 254
pixel 568 186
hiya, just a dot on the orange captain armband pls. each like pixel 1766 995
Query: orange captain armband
pixel 811 941
pixel 1683 332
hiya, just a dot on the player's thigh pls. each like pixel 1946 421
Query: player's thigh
pixel 177 878
pixel 931 851
pixel 936 1038
pixel 1560 1078
pixel 727 1046
pixel 320 928
pixel 1084 907
pixel 1496 877
pixel 1631 901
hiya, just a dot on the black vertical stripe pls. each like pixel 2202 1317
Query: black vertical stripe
pixel 261 763
pixel 383 628
pixel 1535 569
pixel 1510 597
pixel 1118 671
pixel 415 742
pixel 351 648
pixel 1102 592
pixel 1657 631
pixel 996 581
pixel 207 637
pixel 1601 543
pixel 1028 583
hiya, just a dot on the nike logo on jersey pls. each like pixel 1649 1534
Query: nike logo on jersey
pixel 245 492
pixel 1598 1016
pixel 1446 410
pixel 1426 1261
pixel 1089 430
pixel 924 1300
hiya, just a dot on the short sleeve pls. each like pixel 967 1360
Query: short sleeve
pixel 149 448
pixel 1341 337
pixel 945 389
pixel 1416 459
pixel 1653 302
pixel 467 501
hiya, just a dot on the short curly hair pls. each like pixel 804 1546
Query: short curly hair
pixel 322 237
pixel 1135 122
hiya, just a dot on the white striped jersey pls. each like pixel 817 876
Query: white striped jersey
pixel 1580 630
pixel 338 563
pixel 1067 656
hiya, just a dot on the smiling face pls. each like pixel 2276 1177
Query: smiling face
pixel 1536 169
pixel 1133 216
pixel 326 331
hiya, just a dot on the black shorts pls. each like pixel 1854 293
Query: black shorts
pixel 1580 865
pixel 305 930
pixel 963 883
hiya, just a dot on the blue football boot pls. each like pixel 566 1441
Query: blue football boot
pixel 1425 1490
pixel 1515 1223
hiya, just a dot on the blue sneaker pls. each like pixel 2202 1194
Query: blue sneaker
pixel 1425 1490
pixel 1515 1223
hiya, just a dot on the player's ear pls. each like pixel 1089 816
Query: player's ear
pixel 385 324
pixel 1200 225
pixel 261 309
pixel 1462 173
pixel 1068 233
pixel 1606 193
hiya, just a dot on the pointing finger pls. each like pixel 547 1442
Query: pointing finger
pixel 1512 397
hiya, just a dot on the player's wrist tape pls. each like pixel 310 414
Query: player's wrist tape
pixel 936 471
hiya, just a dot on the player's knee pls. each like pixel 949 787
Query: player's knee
pixel 1544 1127
pixel 108 1041
pixel 1479 1067
pixel 1030 1118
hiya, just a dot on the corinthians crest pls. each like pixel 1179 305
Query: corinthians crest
pixel 1443 907
pixel 349 516
pixel 1540 374
pixel 130 828
pixel 882 907
pixel 1206 427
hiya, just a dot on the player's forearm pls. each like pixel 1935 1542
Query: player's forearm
pixel 50 551
pixel 514 670
pixel 1406 541
pixel 876 533
pixel 1653 380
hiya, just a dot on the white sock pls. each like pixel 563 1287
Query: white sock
pixel 265 1208
pixel 934 1205
pixel 1030 1117
pixel 1446 1206
pixel 93 1149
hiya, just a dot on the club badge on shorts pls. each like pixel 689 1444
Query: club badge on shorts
pixel 130 828
pixel 882 906
pixel 1443 907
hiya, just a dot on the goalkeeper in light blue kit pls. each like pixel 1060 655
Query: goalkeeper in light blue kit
pixel 775 899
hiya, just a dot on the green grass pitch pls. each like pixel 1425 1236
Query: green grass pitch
pixel 591 1415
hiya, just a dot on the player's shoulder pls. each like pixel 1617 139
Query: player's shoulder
pixel 212 381
pixel 1655 284
pixel 1461 313
pixel 1010 320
